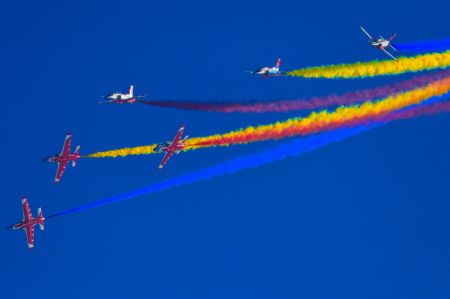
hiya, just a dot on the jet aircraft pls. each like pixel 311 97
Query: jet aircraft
pixel 122 98
pixel 266 72
pixel 169 148
pixel 381 43
pixel 64 157
pixel 28 222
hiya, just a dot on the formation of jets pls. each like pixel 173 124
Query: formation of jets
pixel 168 148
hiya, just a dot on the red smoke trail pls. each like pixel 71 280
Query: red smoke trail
pixel 348 98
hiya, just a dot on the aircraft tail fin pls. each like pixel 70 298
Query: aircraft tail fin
pixel 278 62
pixel 41 219
pixel 392 36
pixel 131 90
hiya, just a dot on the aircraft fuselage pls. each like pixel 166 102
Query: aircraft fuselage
pixel 267 71
pixel 121 98
pixel 170 148
pixel 25 224
pixel 63 158
pixel 379 43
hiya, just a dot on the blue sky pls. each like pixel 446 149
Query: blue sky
pixel 365 218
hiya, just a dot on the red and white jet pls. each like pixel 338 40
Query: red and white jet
pixel 381 43
pixel 64 157
pixel 172 147
pixel 28 222
pixel 122 98
pixel 266 72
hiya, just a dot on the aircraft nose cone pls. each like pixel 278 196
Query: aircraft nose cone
pixel 44 159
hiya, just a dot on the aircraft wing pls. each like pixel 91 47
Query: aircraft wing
pixel 60 171
pixel 26 210
pixel 390 55
pixel 66 146
pixel 395 49
pixel 29 232
pixel 367 33
pixel 165 159
pixel 178 136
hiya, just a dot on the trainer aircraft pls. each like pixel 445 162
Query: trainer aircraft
pixel 64 157
pixel 266 72
pixel 381 43
pixel 122 98
pixel 169 148
pixel 28 222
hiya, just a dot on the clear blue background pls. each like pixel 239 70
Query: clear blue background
pixel 365 218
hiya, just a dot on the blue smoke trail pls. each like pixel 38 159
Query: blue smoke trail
pixel 283 151
pixel 424 46
pixel 290 149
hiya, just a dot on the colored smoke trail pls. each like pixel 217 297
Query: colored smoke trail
pixel 348 98
pixel 314 123
pixel 377 68
pixel 324 121
pixel 291 149
pixel 425 46
pixel 280 152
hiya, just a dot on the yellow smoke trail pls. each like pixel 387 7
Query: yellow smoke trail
pixel 313 123
pixel 129 151
pixel 377 68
